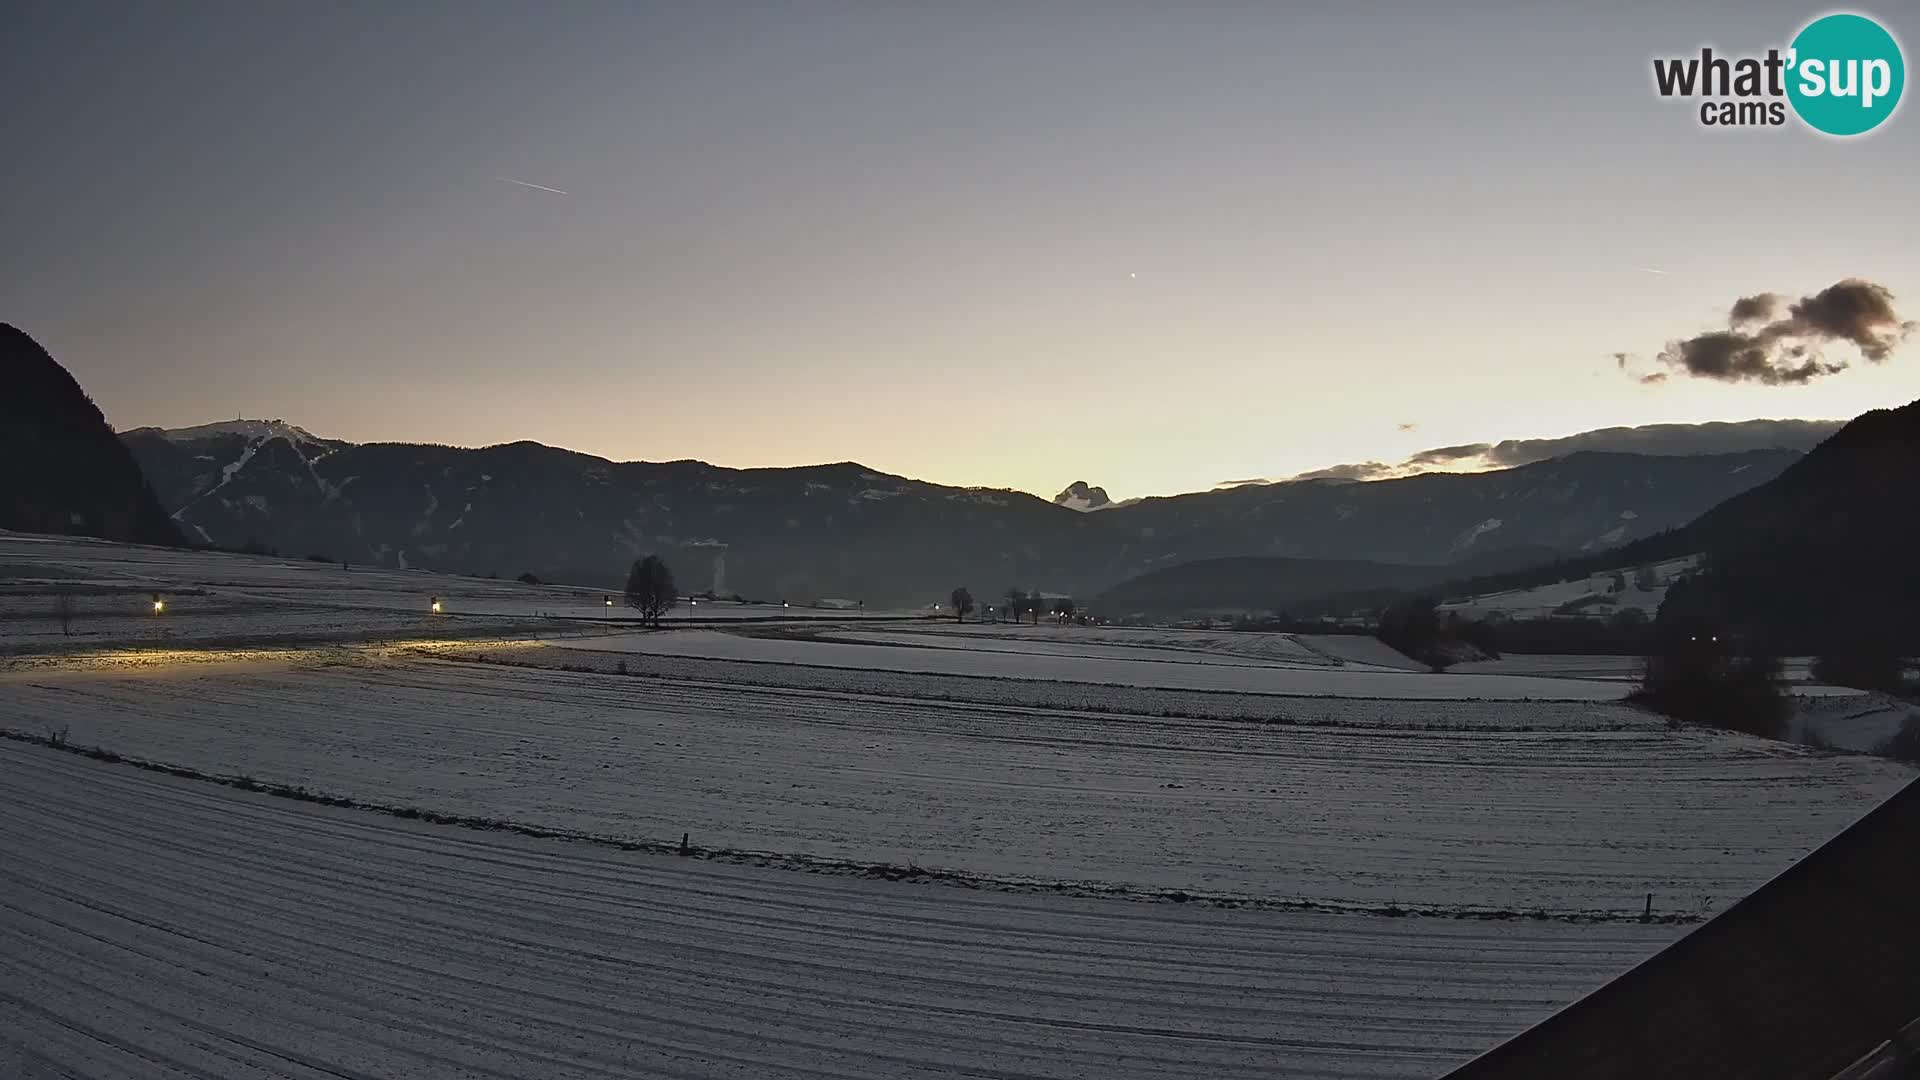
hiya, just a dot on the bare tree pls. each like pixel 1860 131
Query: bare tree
pixel 650 589
pixel 962 603
pixel 1063 608
pixel 63 609
pixel 1016 604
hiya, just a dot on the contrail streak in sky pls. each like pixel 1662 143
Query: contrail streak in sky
pixel 536 187
pixel 1642 269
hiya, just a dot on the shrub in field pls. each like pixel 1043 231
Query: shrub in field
pixel 1414 627
pixel 1814 739
pixel 1905 743
pixel 1695 676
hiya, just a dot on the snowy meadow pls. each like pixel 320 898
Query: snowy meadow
pixel 809 844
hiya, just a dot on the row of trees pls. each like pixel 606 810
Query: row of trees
pixel 1019 603
pixel 651 591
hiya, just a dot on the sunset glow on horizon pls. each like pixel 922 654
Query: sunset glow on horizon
pixel 1145 249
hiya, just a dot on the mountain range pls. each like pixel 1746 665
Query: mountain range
pixel 1804 552
pixel 845 530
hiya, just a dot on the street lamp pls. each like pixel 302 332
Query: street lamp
pixel 159 605
pixel 434 605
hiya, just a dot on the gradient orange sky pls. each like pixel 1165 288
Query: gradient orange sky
pixel 1150 247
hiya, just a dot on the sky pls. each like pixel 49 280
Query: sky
pixel 1150 246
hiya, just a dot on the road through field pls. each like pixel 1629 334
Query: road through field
pixel 154 927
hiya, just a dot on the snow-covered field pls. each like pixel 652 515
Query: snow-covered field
pixel 1208 644
pixel 1069 643
pixel 1795 671
pixel 1413 714
pixel 213 597
pixel 1147 669
pixel 1153 852
pixel 1568 821
pixel 161 927
pixel 1858 722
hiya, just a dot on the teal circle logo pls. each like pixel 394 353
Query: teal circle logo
pixel 1845 74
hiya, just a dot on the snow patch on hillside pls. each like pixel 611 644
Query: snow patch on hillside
pixel 1592 596
pixel 1466 538
pixel 256 430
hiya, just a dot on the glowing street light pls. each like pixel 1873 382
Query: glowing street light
pixel 434 606
pixel 159 605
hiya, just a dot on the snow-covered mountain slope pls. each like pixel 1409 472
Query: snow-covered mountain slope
pixel 1078 496
pixel 1601 594
pixel 256 430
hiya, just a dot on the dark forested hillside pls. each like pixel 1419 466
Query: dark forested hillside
pixel 1261 584
pixel 1825 554
pixel 62 469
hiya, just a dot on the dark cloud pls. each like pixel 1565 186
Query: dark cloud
pixel 1669 440
pixel 1659 439
pixel 1761 345
pixel 1620 360
pixel 1243 483
pixel 1855 311
pixel 1446 455
pixel 1359 470
pixel 1756 308
pixel 1731 356
pixel 1654 379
